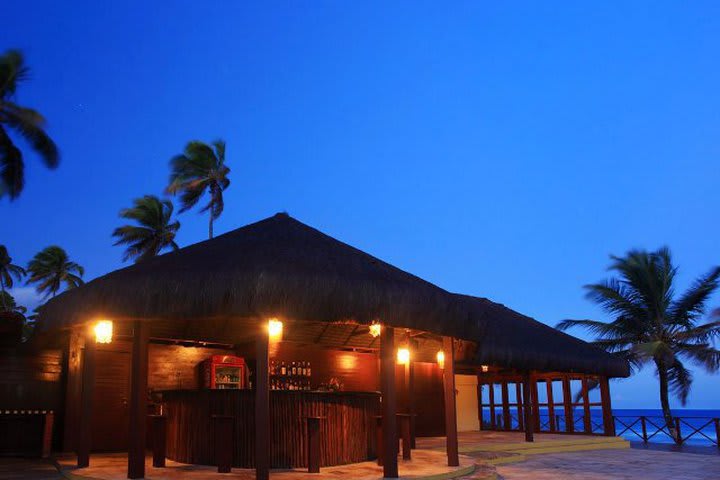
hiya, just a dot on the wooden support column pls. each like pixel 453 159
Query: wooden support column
pixel 137 427
pixel 410 374
pixel 535 402
pixel 450 413
pixel 389 402
pixel 84 440
pixel 519 402
pixel 72 368
pixel 608 421
pixel 550 404
pixel 262 404
pixel 587 425
pixel 527 408
pixel 567 404
pixel 507 419
pixel 491 399
pixel 480 403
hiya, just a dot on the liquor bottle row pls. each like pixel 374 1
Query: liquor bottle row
pixel 290 369
pixel 286 383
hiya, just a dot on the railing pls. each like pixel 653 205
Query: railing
pixel 647 428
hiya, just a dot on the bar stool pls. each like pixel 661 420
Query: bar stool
pixel 313 442
pixel 223 434
pixel 379 439
pixel 404 427
pixel 158 425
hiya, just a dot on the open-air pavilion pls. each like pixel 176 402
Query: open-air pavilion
pixel 338 355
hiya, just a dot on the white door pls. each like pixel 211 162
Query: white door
pixel 466 402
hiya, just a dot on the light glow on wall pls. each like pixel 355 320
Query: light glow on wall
pixel 103 331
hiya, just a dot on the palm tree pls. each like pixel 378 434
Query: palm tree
pixel 9 304
pixel 651 324
pixel 154 233
pixel 23 121
pixel 199 169
pixel 8 271
pixel 51 268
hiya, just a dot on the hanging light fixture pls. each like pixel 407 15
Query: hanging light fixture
pixel 441 359
pixel 403 356
pixel 375 329
pixel 103 331
pixel 275 329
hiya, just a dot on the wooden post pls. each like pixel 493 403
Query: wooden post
pixel 159 440
pixel 450 413
pixel 84 440
pixel 410 373
pixel 507 420
pixel 262 405
pixel 491 399
pixel 550 404
pixel 480 403
pixel 379 439
pixel 404 421
pixel 527 408
pixel 567 403
pixel 223 444
pixel 678 438
pixel 48 421
pixel 587 425
pixel 519 404
pixel 313 441
pixel 389 402
pixel 535 401
pixel 72 367
pixel 717 431
pixel 643 425
pixel 608 421
pixel 138 400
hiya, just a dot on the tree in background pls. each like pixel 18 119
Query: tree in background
pixel 155 230
pixel 25 122
pixel 8 273
pixel 201 168
pixel 51 268
pixel 651 324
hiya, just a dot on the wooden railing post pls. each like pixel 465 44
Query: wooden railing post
pixel 679 438
pixel 717 431
pixel 643 425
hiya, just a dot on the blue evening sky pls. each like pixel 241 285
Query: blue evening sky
pixel 501 149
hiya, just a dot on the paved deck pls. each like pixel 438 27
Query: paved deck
pixel 27 469
pixel 425 464
pixel 628 464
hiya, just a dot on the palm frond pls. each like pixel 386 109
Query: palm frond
pixel 680 380
pixel 29 124
pixel 12 167
pixel 692 304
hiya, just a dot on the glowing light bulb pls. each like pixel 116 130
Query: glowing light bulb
pixel 103 331
pixel 441 359
pixel 275 329
pixel 375 330
pixel 403 356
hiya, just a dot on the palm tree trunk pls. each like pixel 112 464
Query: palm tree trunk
pixel 665 402
pixel 211 226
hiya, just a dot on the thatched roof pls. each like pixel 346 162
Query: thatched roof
pixel 280 267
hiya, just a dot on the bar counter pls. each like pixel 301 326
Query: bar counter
pixel 346 430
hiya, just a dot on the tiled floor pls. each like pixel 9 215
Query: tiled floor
pixel 114 467
pixel 27 469
pixel 629 464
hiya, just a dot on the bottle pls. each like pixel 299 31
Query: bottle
pixel 304 369
pixel 283 369
pixel 293 369
pixel 309 369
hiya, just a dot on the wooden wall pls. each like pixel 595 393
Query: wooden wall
pixel 30 379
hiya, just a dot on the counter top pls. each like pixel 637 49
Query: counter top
pixel 272 392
